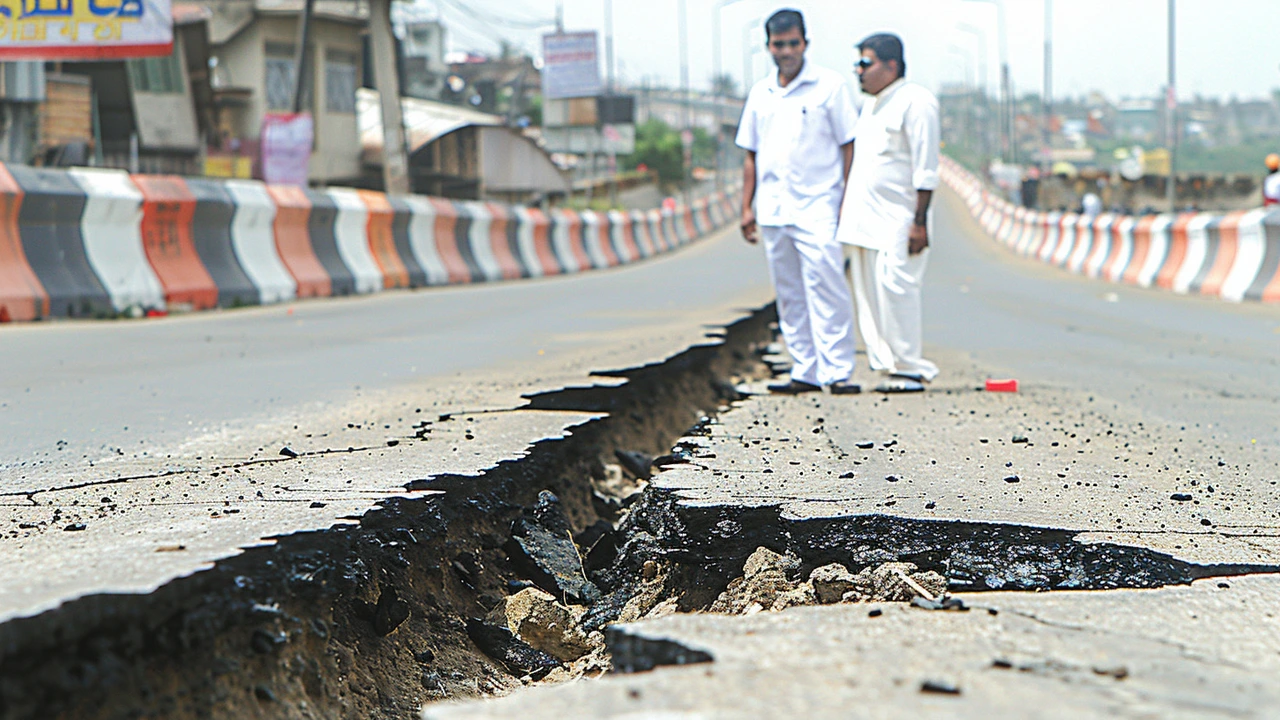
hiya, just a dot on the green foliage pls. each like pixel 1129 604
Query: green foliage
pixel 1245 157
pixel 658 146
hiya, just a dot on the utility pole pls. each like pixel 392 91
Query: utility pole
pixel 609 91
pixel 1171 103
pixel 687 120
pixel 395 161
pixel 1048 84
pixel 300 55
pixel 717 71
pixel 1008 107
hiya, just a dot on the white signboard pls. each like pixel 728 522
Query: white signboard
pixel 286 148
pixel 571 66
pixel 85 29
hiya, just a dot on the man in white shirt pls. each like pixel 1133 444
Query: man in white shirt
pixel 885 218
pixel 797 129
pixel 1271 184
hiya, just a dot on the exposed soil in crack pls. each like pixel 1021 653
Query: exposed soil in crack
pixel 374 618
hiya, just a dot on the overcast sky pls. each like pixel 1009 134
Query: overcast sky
pixel 1225 47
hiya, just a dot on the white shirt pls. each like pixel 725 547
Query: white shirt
pixel 796 133
pixel 1091 204
pixel 1271 189
pixel 895 154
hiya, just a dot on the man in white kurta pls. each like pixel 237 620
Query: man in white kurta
pixel 796 128
pixel 885 217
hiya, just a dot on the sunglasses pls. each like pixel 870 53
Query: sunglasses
pixel 783 44
pixel 864 64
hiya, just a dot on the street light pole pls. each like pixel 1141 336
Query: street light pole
pixel 717 72
pixel 686 121
pixel 1048 83
pixel 609 91
pixel 1008 139
pixel 1171 107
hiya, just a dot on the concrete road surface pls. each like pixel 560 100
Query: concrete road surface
pixel 1134 476
pixel 135 452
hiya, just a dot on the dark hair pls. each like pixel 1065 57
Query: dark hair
pixel 886 46
pixel 785 20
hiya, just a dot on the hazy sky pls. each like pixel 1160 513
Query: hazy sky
pixel 1225 47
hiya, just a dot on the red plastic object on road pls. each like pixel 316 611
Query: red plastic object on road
pixel 1009 386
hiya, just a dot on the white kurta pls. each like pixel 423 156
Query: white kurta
pixel 895 155
pixel 796 133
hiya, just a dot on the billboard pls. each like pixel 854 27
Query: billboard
pixel 571 66
pixel 286 148
pixel 85 29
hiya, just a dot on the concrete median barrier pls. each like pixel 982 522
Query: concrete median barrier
pixel 87 242
pixel 168 213
pixel 49 218
pixel 210 228
pixel 350 232
pixel 293 241
pixel 253 237
pixel 380 231
pixel 111 230
pixel 22 296
pixel 401 228
pixel 1234 256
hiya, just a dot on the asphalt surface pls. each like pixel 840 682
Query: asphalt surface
pixel 1141 451
pixel 135 452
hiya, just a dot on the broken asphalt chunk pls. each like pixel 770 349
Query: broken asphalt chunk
pixel 636 463
pixel 939 687
pixel 390 612
pixel 543 546
pixel 288 452
pixel 518 656
pixel 943 604
pixel 1180 497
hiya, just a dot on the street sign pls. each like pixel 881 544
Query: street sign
pixel 86 29
pixel 571 66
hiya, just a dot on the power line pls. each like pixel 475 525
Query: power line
pixel 498 20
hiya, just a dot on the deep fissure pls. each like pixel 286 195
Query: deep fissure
pixel 373 618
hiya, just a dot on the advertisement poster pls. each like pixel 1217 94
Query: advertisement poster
pixel 571 66
pixel 85 29
pixel 286 148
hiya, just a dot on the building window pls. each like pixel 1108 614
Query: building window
pixel 279 76
pixel 340 81
pixel 156 75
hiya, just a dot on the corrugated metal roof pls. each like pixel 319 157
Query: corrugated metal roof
pixel 424 121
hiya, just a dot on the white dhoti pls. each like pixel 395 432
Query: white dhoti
pixel 887 293
pixel 815 309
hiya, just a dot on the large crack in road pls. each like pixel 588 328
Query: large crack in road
pixel 368 618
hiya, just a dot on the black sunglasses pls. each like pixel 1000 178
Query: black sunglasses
pixel 864 64
pixel 781 44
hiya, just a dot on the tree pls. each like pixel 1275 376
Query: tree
pixel 658 147
pixel 723 85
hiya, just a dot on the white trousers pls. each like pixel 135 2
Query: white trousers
pixel 815 309
pixel 886 293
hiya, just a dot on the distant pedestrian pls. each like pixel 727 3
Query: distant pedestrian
pixel 885 218
pixel 1271 185
pixel 1091 204
pixel 797 129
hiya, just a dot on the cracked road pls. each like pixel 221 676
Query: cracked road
pixel 1142 452
pixel 133 453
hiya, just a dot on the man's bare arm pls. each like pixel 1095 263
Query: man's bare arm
pixel 749 230
pixel 918 235
pixel 847 151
